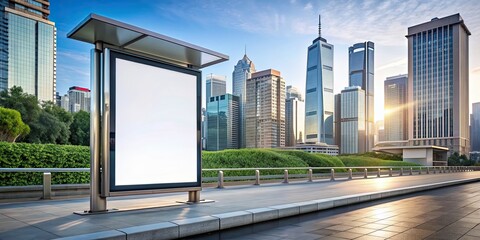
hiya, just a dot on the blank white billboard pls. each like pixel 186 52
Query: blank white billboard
pixel 155 125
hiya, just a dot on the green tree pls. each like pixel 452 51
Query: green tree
pixel 26 104
pixel 459 160
pixel 11 125
pixel 48 129
pixel 80 129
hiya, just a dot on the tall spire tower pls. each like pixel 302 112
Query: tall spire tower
pixel 319 98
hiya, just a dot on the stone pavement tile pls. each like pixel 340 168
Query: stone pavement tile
pixel 375 226
pixel 456 230
pixel 466 237
pixel 430 226
pixel 367 237
pixel 418 232
pixel 354 224
pixel 463 224
pixel 339 227
pixel 406 224
pixel 331 238
pixel 383 234
pixel 324 232
pixel 367 220
pixel 474 233
pixel 27 232
pixel 347 235
pixel 361 230
pixel 396 229
pixel 444 236
pixel 386 221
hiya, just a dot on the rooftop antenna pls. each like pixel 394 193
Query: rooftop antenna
pixel 319 25
pixel 245 49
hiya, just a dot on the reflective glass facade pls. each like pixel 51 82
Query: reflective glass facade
pixel 319 98
pixel 353 124
pixel 242 71
pixel 361 74
pixel 215 86
pixel 438 83
pixel 27 56
pixel 475 128
pixel 222 122
pixel 396 108
pixel 294 121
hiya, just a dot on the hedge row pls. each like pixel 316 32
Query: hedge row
pixel 24 155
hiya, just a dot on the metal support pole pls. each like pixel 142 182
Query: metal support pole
pixel 350 177
pixel 97 203
pixel 365 174
pixel 310 175
pixel 428 170
pixel 378 172
pixel 411 171
pixel 390 172
pixel 220 179
pixel 47 185
pixel 434 170
pixel 285 176
pixel 332 174
pixel 401 171
pixel 257 177
pixel 419 171
pixel 194 196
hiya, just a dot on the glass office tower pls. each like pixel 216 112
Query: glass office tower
pixel 28 48
pixel 475 127
pixel 353 124
pixel 222 122
pixel 216 85
pixel 242 71
pixel 396 108
pixel 319 98
pixel 360 74
pixel 438 84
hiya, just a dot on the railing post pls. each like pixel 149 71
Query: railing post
pixel 285 176
pixel 420 171
pixel 194 196
pixel 47 185
pixel 365 174
pixel 220 179
pixel 332 174
pixel 257 177
pixel 310 175
pixel 350 177
pixel 428 170
pixel 411 171
pixel 434 170
pixel 390 172
pixel 401 171
pixel 378 172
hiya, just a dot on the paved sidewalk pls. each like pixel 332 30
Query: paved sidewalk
pixel 54 218
pixel 447 213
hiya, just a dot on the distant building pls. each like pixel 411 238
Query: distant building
pixel 475 128
pixel 242 71
pixel 79 99
pixel 331 150
pixel 379 131
pixel 337 119
pixel 293 92
pixel 396 108
pixel 294 121
pixel 65 102
pixel 438 84
pixel 361 69
pixel 28 48
pixel 223 120
pixel 319 92
pixel 475 156
pixel 353 121
pixel 265 110
pixel 216 85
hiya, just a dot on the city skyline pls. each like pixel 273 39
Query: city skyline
pixel 235 25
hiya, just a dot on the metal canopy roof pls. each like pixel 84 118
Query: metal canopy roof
pixel 96 28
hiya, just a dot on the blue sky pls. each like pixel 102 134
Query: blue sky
pixel 276 33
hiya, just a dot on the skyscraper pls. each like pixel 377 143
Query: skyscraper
pixel 28 48
pixel 222 119
pixel 319 99
pixel 438 84
pixel 294 120
pixel 338 119
pixel 265 110
pixel 475 128
pixel 353 124
pixel 361 69
pixel 215 86
pixel 79 99
pixel 396 108
pixel 293 92
pixel 242 71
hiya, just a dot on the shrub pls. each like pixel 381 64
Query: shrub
pixel 355 161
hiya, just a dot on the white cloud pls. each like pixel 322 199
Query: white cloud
pixel 396 63
pixel 308 6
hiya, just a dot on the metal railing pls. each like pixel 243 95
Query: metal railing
pixel 311 173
